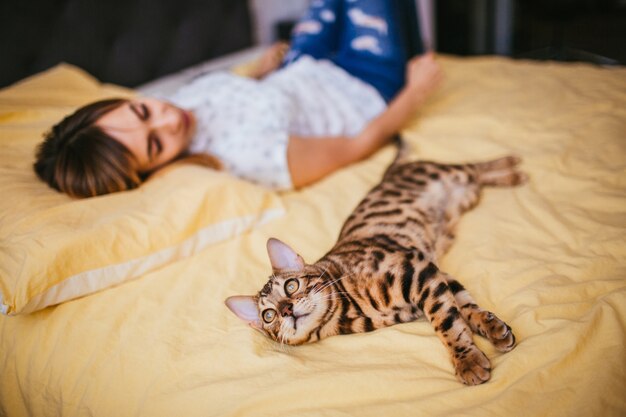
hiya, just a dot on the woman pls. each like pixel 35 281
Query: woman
pixel 343 90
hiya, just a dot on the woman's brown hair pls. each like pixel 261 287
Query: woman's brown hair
pixel 78 158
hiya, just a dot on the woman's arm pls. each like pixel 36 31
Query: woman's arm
pixel 269 61
pixel 312 159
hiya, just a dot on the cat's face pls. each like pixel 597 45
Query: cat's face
pixel 292 303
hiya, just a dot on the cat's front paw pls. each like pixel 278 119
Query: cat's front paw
pixel 472 367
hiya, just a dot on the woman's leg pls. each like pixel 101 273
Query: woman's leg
pixel 370 39
pixel 376 41
pixel 317 33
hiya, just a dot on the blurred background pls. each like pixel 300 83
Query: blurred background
pixel 565 30
pixel 131 42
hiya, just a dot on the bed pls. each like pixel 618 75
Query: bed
pixel 155 338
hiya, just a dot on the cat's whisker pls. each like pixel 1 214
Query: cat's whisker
pixel 320 276
pixel 328 284
pixel 335 295
pixel 341 294
pixel 332 281
pixel 323 273
pixel 329 294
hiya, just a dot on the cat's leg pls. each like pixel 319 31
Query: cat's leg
pixel 482 322
pixel 436 300
pixel 500 172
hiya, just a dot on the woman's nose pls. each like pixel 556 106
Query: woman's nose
pixel 167 118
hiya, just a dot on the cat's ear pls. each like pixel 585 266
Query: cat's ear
pixel 246 308
pixel 282 257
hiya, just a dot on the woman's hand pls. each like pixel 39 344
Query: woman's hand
pixel 270 60
pixel 423 75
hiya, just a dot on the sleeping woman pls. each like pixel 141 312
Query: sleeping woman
pixel 341 90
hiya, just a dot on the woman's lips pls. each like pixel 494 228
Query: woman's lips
pixel 186 120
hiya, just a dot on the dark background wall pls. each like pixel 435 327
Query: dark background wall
pixel 566 30
pixel 130 42
pixel 126 42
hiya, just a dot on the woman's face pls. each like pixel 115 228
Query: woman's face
pixel 154 131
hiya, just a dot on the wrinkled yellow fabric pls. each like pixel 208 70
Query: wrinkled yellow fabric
pixel 548 258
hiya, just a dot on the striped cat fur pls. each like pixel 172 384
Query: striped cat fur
pixel 384 269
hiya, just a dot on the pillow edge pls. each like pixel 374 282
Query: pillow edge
pixel 132 269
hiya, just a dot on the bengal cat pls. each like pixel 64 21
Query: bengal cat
pixel 383 269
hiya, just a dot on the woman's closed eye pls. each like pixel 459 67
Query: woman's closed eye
pixel 155 147
pixel 145 111
pixel 141 111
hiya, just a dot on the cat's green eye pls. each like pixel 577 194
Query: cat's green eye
pixel 291 286
pixel 269 315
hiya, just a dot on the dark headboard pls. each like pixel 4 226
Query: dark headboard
pixel 126 42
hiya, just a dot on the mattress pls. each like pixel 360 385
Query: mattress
pixel 548 258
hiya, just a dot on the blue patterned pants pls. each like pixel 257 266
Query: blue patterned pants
pixel 367 38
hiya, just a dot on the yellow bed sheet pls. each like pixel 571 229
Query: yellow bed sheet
pixel 549 258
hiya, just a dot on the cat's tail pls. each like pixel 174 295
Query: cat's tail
pixel 402 154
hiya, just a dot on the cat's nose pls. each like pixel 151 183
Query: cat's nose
pixel 286 309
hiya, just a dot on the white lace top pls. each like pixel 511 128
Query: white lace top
pixel 246 123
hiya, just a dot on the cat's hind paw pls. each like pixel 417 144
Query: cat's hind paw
pixel 472 367
pixel 498 332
